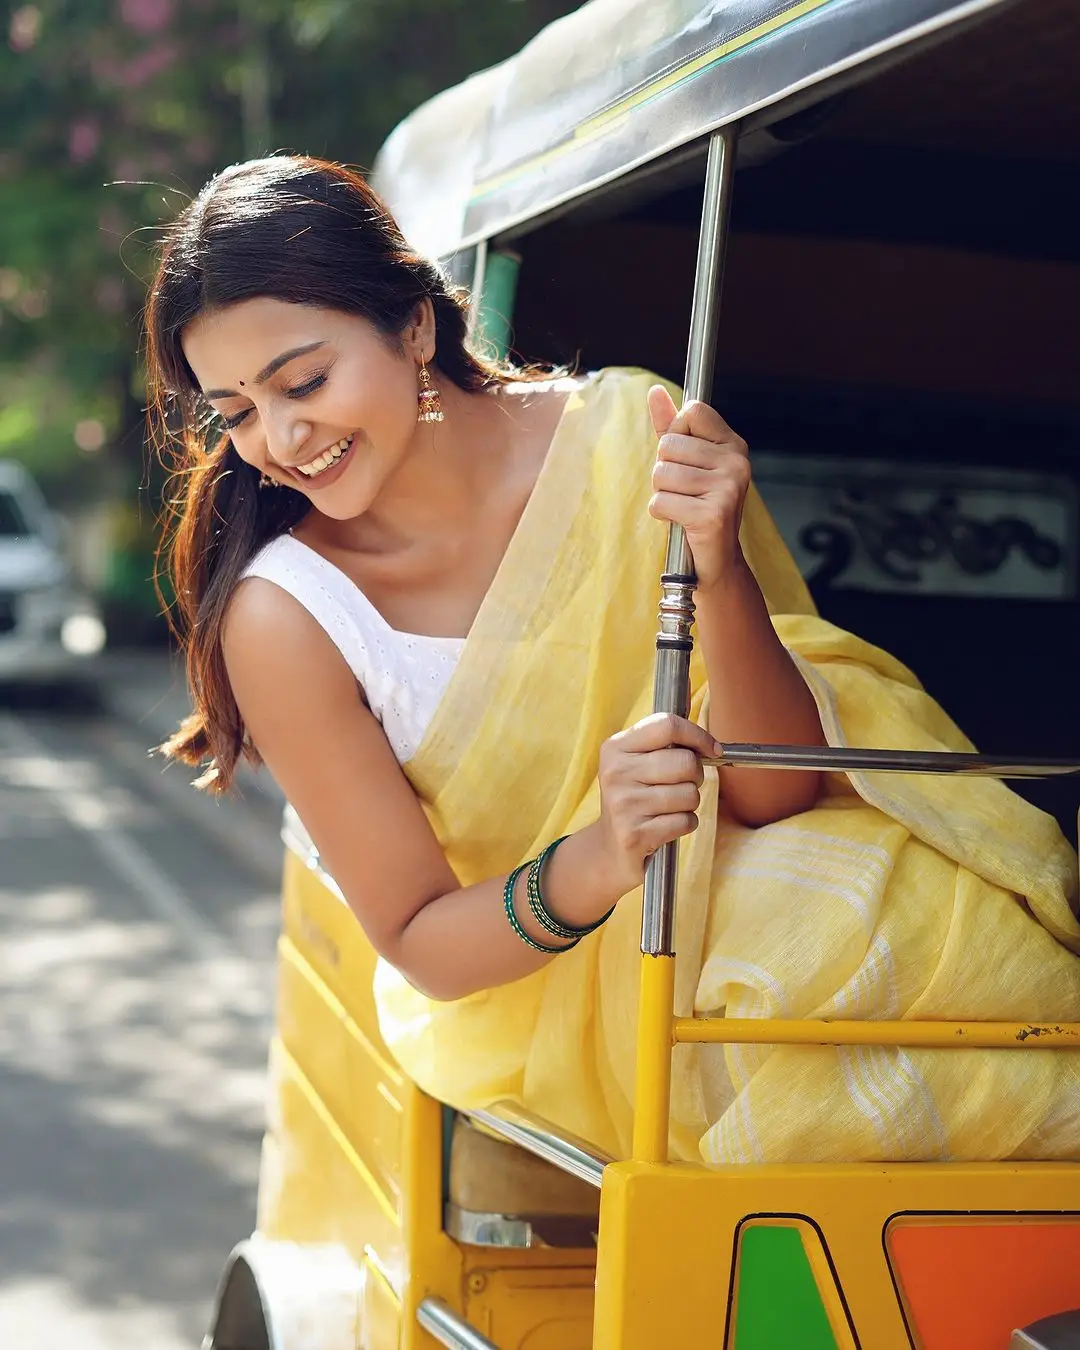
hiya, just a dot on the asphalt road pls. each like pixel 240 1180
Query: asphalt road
pixel 137 930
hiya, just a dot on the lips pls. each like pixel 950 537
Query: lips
pixel 314 468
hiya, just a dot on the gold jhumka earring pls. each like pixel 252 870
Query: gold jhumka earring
pixel 429 404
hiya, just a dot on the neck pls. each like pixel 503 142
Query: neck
pixel 449 470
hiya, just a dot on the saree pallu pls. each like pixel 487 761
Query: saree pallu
pixel 895 897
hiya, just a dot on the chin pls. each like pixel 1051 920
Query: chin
pixel 339 503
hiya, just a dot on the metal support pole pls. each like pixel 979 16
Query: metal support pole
pixel 442 1323
pixel 540 1138
pixel 674 642
pixel 671 690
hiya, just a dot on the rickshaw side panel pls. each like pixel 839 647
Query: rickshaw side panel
pixel 326 1017
pixel 317 1187
pixel 550 1308
pixel 354 1154
pixel 358 1088
pixel 665 1228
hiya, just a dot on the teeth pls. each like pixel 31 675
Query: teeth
pixel 329 456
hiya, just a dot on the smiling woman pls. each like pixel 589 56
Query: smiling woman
pixel 270 352
pixel 438 636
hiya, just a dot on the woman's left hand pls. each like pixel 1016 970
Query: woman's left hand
pixel 700 481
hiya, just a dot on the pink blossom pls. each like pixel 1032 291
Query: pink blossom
pixel 146 16
pixel 84 137
pixel 152 62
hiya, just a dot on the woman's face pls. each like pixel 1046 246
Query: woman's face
pixel 316 399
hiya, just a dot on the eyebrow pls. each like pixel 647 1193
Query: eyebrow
pixel 271 368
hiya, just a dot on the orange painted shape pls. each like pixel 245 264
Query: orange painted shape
pixel 967 1283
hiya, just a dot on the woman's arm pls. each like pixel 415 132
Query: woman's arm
pixel 303 710
pixel 756 693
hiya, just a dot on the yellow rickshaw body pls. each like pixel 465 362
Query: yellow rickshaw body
pixel 354 1156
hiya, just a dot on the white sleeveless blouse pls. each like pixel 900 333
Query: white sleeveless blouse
pixel 403 675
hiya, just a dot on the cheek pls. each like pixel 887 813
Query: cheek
pixel 387 407
pixel 246 450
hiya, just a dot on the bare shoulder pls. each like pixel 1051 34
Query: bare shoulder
pixel 269 636
pixel 260 611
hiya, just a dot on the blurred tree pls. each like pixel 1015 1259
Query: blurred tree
pixel 114 113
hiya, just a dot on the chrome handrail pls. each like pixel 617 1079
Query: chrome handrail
pixel 440 1320
pixel 840 759
pixel 543 1140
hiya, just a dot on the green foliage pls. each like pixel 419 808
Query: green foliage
pixel 116 111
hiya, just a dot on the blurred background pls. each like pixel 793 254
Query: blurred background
pixel 114 114
pixel 137 920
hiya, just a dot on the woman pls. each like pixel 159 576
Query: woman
pixel 421 587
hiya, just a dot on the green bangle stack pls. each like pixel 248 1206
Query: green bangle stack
pixel 515 922
pixel 540 911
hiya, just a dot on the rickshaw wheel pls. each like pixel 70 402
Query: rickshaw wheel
pixel 285 1296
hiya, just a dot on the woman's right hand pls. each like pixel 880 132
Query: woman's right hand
pixel 650 780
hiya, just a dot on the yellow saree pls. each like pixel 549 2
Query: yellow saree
pixel 895 897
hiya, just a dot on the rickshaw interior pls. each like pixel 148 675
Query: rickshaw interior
pixel 897 335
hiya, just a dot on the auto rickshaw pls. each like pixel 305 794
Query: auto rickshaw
pixel 889 182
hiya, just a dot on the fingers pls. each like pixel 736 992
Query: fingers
pixel 671 766
pixel 715 512
pixel 669 799
pixel 661 730
pixel 723 487
pixel 693 419
pixel 650 787
pixel 701 452
pixel 662 409
pixel 683 479
pixel 663 830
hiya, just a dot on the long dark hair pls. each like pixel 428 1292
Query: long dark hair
pixel 295 229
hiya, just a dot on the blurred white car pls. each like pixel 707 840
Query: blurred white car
pixel 50 632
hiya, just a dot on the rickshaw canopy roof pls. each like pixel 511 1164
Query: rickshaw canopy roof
pixel 621 84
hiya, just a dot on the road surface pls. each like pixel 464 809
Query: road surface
pixel 137 929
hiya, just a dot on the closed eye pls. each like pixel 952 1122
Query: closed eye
pixel 302 390
pixel 298 391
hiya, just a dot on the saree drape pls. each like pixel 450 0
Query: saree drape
pixel 895 897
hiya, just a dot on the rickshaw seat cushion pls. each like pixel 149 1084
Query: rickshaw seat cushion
pixel 489 1175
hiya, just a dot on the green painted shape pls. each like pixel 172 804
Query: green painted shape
pixel 778 1305
pixel 495 317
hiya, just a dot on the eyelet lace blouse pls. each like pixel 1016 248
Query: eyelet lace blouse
pixel 403 675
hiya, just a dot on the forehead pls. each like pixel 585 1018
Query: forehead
pixel 223 346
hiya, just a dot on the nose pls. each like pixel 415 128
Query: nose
pixel 286 436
